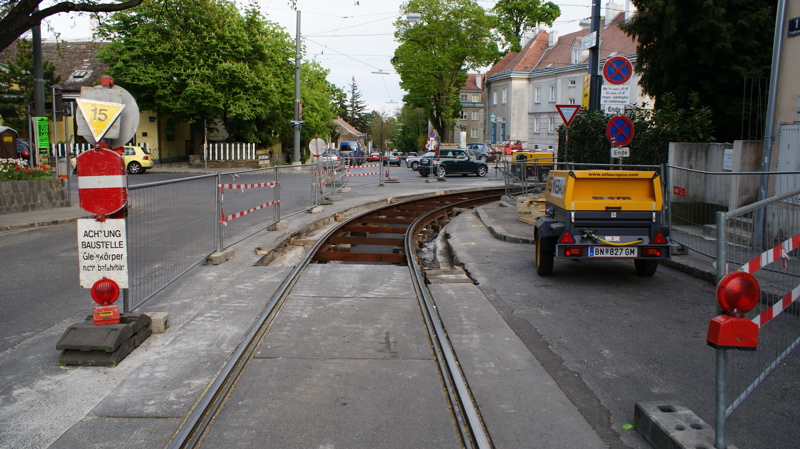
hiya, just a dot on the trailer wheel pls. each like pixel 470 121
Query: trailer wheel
pixel 646 268
pixel 544 259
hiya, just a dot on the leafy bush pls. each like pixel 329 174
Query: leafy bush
pixel 13 170
pixel 653 131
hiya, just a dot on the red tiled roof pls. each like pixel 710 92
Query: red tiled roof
pixel 341 122
pixel 70 59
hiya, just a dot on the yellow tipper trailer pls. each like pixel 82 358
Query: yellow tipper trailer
pixel 602 214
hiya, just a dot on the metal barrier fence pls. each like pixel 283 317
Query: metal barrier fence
pixel 249 202
pixel 171 228
pixel 773 224
pixel 694 198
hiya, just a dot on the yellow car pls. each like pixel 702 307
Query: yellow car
pixel 137 159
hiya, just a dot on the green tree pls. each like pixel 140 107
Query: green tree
pixel 515 16
pixel 19 16
pixel 381 128
pixel 355 108
pixel 412 127
pixel 316 93
pixel 708 47
pixel 435 53
pixel 16 86
pixel 199 60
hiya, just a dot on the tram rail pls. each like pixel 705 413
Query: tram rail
pixel 388 235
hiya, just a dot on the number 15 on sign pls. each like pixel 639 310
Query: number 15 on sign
pixel 99 115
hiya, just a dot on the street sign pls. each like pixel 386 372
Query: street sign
pixel 619 152
pixel 100 116
pixel 617 70
pixel 616 95
pixel 102 183
pixel 122 129
pixel 619 130
pixel 102 251
pixel 568 112
pixel 614 109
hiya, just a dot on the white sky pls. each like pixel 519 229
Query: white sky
pixel 349 40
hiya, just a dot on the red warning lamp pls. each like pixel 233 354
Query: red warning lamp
pixel 105 291
pixel 737 294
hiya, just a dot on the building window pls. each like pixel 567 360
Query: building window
pixel 463 98
pixel 505 96
pixel 576 55
pixel 463 114
pixel 551 125
pixel 571 101
pixel 552 94
pixel 475 115
pixel 536 125
pixel 476 98
pixel 494 98
pixel 572 83
pixel 473 133
pixel 537 95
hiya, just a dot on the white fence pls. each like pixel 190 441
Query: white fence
pixel 230 152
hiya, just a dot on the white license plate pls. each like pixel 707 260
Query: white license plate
pixel 613 251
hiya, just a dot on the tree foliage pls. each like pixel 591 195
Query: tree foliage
pixel 199 60
pixel 653 131
pixel 435 53
pixel 19 16
pixel 381 129
pixel 16 86
pixel 412 129
pixel 706 47
pixel 353 109
pixel 515 16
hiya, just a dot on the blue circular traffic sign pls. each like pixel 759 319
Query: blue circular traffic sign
pixel 617 70
pixel 620 130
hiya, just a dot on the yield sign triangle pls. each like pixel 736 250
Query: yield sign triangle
pixel 100 115
pixel 568 112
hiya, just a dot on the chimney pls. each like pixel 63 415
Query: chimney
pixel 553 39
pixel 613 10
pixel 479 81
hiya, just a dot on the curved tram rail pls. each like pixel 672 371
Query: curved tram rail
pixel 387 235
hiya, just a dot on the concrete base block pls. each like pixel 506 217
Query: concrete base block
pixel 316 210
pixel 335 198
pixel 668 426
pixel 159 322
pixel 220 257
pixel 432 180
pixel 676 249
pixel 345 190
pixel 281 225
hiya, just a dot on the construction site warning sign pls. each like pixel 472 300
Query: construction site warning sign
pixel 100 116
pixel 102 251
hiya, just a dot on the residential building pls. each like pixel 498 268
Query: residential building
pixel 347 133
pixel 523 88
pixel 471 121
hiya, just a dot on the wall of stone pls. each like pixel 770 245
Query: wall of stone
pixel 23 196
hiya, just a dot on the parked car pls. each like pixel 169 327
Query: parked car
pixel 453 162
pixel 483 151
pixel 330 155
pixel 137 159
pixel 374 157
pixel 511 145
pixel 352 152
pixel 405 156
pixel 23 152
pixel 392 158
pixel 412 162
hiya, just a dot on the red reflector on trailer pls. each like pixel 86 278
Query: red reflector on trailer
pixel 573 251
pixel 651 252
pixel 566 238
pixel 659 239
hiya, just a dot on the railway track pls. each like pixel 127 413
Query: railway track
pixel 387 237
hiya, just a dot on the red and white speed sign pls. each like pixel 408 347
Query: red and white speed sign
pixel 102 182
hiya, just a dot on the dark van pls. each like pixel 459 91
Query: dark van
pixel 353 152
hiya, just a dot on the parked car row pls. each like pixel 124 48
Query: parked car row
pixel 453 162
